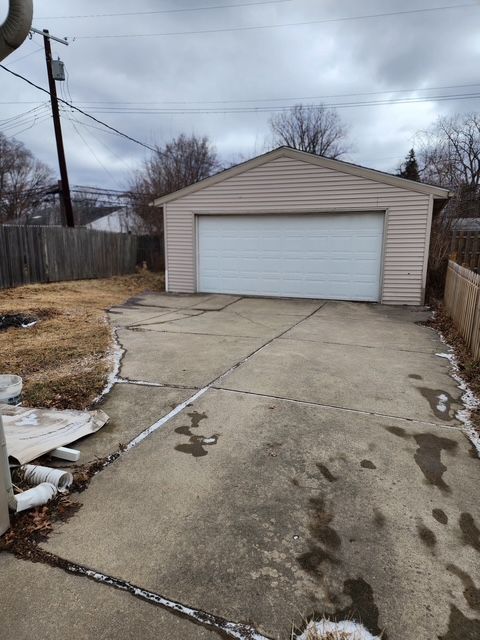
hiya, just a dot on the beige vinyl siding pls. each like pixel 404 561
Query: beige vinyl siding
pixel 286 185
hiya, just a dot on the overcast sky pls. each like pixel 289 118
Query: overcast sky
pixel 224 80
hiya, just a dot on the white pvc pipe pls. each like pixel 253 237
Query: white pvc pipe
pixel 35 497
pixel 35 475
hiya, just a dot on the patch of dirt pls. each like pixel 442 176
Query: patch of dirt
pixel 469 368
pixel 64 358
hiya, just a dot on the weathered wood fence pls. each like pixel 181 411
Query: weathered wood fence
pixel 466 249
pixel 50 254
pixel 462 301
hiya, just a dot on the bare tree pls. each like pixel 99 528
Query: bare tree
pixel 449 155
pixel 315 129
pixel 181 162
pixel 24 181
pixel 450 151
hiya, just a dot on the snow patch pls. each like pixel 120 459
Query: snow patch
pixel 469 399
pixel 115 355
pixel 442 403
pixel 344 630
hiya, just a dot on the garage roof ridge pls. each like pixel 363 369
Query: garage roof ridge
pixel 311 158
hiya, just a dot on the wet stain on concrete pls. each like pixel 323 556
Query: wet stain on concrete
pixel 322 532
pixel 379 519
pixel 312 560
pixel 428 457
pixel 470 531
pixel 363 608
pixel 415 376
pixel 426 535
pixel 397 431
pixel 440 516
pixel 470 591
pixel 367 464
pixel 326 473
pixel 440 402
pixel 320 519
pixel 196 443
pixel 196 418
pixel 460 627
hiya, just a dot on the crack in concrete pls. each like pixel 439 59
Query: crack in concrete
pixel 356 344
pixel 337 407
pixel 161 385
pixel 200 392
pixel 225 628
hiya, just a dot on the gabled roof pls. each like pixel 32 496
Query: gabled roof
pixel 319 161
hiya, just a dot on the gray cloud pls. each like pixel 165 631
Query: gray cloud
pixel 210 71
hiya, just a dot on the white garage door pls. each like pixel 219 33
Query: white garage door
pixel 334 256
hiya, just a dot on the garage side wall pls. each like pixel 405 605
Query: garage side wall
pixel 291 186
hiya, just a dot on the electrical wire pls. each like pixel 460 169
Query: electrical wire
pixel 92 151
pixel 276 109
pixel 164 11
pixel 104 124
pixel 21 115
pixel 295 100
pixel 32 53
pixel 290 99
pixel 276 26
pixel 101 142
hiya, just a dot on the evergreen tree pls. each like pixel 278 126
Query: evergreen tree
pixel 409 168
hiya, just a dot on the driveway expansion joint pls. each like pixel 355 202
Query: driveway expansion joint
pixel 218 624
pixel 161 385
pixel 356 344
pixel 199 392
pixel 339 408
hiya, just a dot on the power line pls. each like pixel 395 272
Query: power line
pixel 164 11
pixel 290 99
pixel 280 108
pixel 250 100
pixel 277 26
pixel 20 116
pixel 104 124
pixel 32 53
pixel 97 139
pixel 92 151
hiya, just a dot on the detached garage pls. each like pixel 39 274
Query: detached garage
pixel 293 224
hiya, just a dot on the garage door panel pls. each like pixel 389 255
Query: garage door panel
pixel 335 256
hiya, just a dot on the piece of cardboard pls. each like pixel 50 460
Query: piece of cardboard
pixel 31 433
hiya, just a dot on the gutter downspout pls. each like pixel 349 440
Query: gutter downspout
pixel 16 27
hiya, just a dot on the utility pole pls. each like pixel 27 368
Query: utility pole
pixel 65 187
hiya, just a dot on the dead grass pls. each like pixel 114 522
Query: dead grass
pixel 63 359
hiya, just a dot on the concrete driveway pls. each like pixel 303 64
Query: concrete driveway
pixel 314 467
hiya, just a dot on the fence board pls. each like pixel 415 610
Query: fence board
pixel 462 301
pixel 465 249
pixel 50 254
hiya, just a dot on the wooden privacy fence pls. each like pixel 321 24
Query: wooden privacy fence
pixel 50 254
pixel 466 249
pixel 462 301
